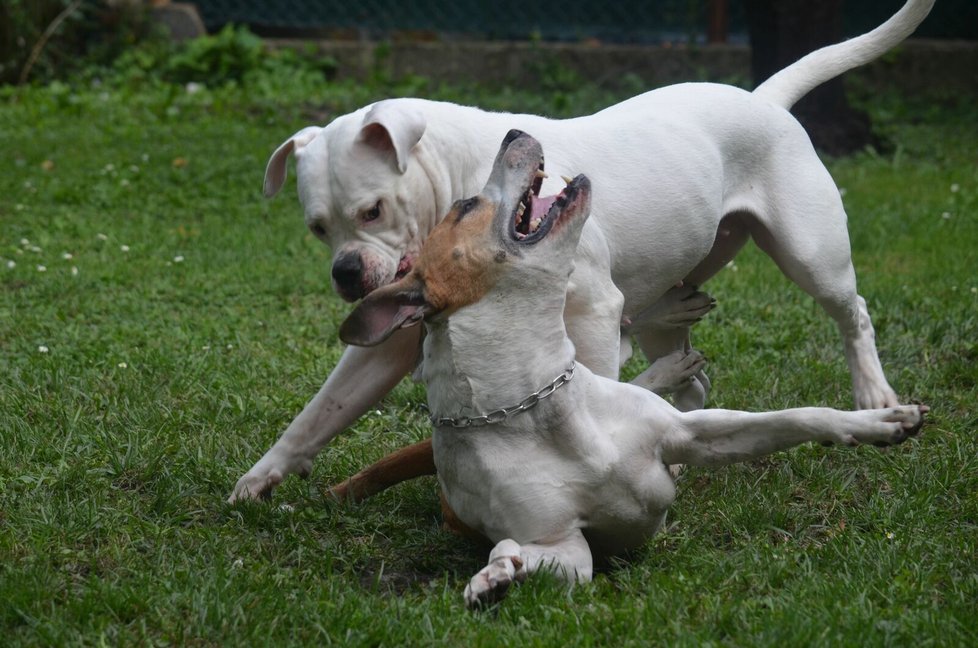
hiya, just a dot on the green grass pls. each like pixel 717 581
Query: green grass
pixel 172 365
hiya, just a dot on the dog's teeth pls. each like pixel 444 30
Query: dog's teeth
pixel 541 174
pixel 535 224
pixel 566 179
pixel 520 210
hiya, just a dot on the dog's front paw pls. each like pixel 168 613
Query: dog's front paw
pixel 679 308
pixel 492 583
pixel 671 373
pixel 264 476
pixel 255 485
pixel 889 426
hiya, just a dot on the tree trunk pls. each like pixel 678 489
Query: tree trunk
pixel 781 32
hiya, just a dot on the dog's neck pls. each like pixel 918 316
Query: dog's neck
pixel 493 355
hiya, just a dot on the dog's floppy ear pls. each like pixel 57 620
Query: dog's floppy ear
pixel 276 170
pixel 393 128
pixel 384 311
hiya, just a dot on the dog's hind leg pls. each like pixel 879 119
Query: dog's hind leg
pixel 569 558
pixel 806 236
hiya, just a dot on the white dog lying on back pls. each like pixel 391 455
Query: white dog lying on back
pixel 683 177
pixel 550 461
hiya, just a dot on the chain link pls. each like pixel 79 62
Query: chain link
pixel 503 413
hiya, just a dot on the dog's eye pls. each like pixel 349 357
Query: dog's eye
pixel 463 207
pixel 372 214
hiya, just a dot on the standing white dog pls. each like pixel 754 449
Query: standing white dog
pixel 554 464
pixel 684 176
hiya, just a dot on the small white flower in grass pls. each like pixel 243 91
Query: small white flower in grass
pixel 42 349
pixel 41 268
pixel 134 168
pixel 946 215
pixel 144 157
pixel 288 508
pixel 124 248
pixel 237 564
pixel 122 365
pixel 178 258
pixel 732 266
pixel 67 256
pixel 74 271
pixel 124 182
pixel 101 237
pixel 206 347
pixel 24 242
pixel 890 535
pixel 230 346
pixel 955 188
pixel 11 265
pixel 974 290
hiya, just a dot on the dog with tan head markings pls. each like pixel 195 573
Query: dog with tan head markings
pixel 554 464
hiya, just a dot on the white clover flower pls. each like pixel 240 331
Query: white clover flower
pixel 124 248
pixel 890 535
pixel 974 290
pixel 101 237
pixel 178 258
pixel 41 268
pixel 206 347
pixel 955 188
pixel 24 242
pixel 122 365
pixel 42 349
pixel 237 564
pixel 11 265
pixel 67 256
pixel 946 215
pixel 34 248
pixel 74 271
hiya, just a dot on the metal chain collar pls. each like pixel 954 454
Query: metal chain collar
pixel 500 415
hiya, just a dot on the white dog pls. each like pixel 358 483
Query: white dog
pixel 684 176
pixel 553 463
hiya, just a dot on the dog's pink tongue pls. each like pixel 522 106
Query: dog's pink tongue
pixel 540 206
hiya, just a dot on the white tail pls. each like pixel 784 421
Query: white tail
pixel 798 79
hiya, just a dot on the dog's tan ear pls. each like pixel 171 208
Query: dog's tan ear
pixel 394 128
pixel 277 169
pixel 384 311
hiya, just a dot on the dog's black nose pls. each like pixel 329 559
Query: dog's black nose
pixel 348 274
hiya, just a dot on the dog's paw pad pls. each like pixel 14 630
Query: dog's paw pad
pixel 492 583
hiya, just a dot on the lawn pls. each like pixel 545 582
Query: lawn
pixel 161 323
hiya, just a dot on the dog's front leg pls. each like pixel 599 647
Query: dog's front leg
pixel 363 376
pixel 593 309
pixel 569 558
pixel 719 437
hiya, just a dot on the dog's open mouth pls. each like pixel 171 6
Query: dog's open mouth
pixel 535 216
